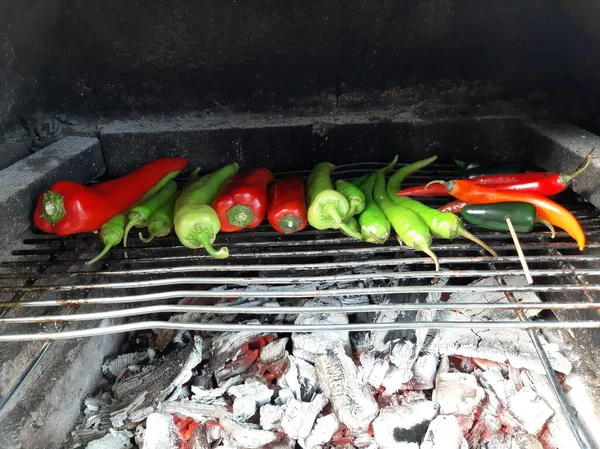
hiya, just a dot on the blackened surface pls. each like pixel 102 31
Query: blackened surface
pixel 298 143
pixel 413 434
pixel 114 56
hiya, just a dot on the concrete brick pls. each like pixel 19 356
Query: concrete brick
pixel 73 158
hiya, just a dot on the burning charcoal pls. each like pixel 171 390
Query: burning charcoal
pixel 457 393
pixel 274 351
pixel 373 369
pixel 271 416
pixel 493 380
pixel 322 432
pixel 161 432
pixel 300 377
pixel 350 396
pixel 514 347
pixel 493 298
pixel 245 436
pixel 309 345
pixel 198 412
pixel 444 432
pixel 530 410
pixel 247 397
pixel 424 370
pixel 212 396
pixel 234 352
pixel 112 369
pixel 404 427
pixel 299 417
pixel 115 439
pixel 161 379
pixel 199 439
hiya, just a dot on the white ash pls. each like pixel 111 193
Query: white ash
pixel 457 393
pixel 248 397
pixel 373 369
pixel 424 370
pixel 161 432
pixel 493 298
pixel 212 396
pixel 350 396
pixel 498 345
pixel 524 440
pixel 285 395
pixel 228 353
pixel 245 436
pixel 114 368
pixel 299 417
pixel 115 439
pixel 198 412
pixel 530 410
pixel 271 416
pixel 322 432
pixel 310 345
pixel 404 426
pixel 494 381
pixel 274 351
pixel 444 432
pixel 364 440
pixel 300 377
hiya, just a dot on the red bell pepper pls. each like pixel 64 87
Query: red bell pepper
pixel 242 203
pixel 454 207
pixel 68 207
pixel 287 205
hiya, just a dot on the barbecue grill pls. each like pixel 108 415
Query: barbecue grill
pixel 217 85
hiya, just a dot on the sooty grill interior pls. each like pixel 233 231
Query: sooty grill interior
pixel 159 305
pixel 309 340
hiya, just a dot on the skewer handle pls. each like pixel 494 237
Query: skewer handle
pixel 519 251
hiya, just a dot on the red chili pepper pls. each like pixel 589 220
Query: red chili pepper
pixel 287 205
pixel 68 207
pixel 536 183
pixel 454 207
pixel 547 209
pixel 243 201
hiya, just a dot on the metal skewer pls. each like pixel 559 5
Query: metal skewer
pixel 519 251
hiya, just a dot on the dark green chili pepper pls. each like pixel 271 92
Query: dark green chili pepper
pixel 385 170
pixel 374 225
pixel 326 206
pixel 160 223
pixel 355 197
pixel 493 216
pixel 472 169
pixel 443 224
pixel 408 225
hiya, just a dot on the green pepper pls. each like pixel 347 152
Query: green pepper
pixel 523 216
pixel 443 224
pixel 472 169
pixel 326 206
pixel 408 225
pixel 355 197
pixel 385 170
pixel 160 223
pixel 374 225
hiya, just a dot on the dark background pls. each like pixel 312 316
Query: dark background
pixel 114 56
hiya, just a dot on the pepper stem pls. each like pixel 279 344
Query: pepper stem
pixel 53 209
pixel 146 240
pixel 107 247
pixel 548 225
pixel 466 234
pixel 204 240
pixel 334 214
pixel 351 212
pixel 289 223
pixel 376 239
pixel 240 215
pixel 130 224
pixel 566 179
pixel 427 250
pixel 447 184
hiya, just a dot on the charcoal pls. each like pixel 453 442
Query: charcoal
pixel 494 381
pixel 161 432
pixel 444 432
pixel 404 426
pixel 300 377
pixel 349 394
pixel 274 351
pixel 271 416
pixel 310 345
pixel 424 370
pixel 457 393
pixel 245 436
pixel 212 396
pixel 112 369
pixel 324 428
pixel 115 439
pixel 514 347
pixel 199 439
pixel 299 417
pixel 530 410
pixel 160 379
pixel 231 353
pixel 524 440
pixel 198 412
pixel 248 397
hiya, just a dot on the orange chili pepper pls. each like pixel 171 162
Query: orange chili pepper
pixel 547 209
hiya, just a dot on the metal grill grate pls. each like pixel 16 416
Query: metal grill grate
pixel 46 290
